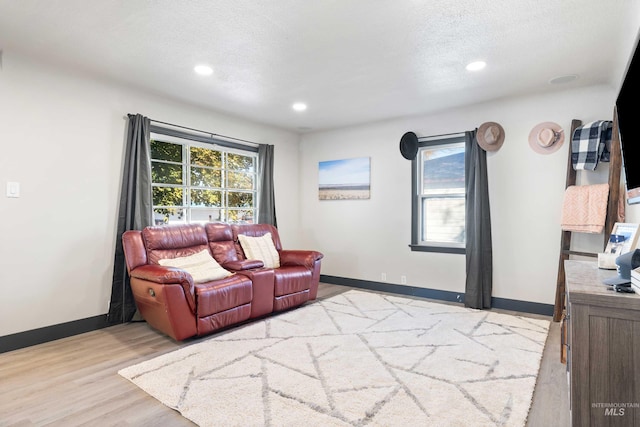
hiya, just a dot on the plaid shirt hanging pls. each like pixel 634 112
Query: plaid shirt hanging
pixel 588 144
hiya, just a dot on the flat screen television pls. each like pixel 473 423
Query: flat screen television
pixel 628 108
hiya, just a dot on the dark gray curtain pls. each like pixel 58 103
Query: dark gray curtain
pixel 478 225
pixel 266 195
pixel 134 212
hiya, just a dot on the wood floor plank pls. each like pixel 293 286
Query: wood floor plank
pixel 74 381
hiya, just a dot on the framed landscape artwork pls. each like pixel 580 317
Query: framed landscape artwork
pixel 346 179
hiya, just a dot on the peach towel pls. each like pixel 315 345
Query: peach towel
pixel 585 208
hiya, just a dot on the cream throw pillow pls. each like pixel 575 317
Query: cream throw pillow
pixel 202 266
pixel 261 248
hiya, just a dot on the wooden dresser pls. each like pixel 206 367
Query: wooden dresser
pixel 603 349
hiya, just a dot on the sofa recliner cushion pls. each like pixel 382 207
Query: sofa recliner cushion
pixel 222 295
pixel 291 279
pixel 162 242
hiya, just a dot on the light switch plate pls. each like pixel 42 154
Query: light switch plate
pixel 13 189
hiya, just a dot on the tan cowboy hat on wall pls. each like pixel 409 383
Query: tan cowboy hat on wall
pixel 490 136
pixel 546 138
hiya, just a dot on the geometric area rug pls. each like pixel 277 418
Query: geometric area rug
pixel 356 359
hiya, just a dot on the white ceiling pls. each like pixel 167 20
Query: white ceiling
pixel 351 61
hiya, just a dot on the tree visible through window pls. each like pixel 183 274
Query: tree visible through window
pixel 194 182
pixel 439 196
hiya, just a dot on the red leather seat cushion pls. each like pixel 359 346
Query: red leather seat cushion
pixel 221 295
pixel 290 279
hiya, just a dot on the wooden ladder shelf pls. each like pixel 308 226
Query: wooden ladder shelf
pixel 615 166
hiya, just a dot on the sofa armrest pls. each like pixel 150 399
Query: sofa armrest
pixel 300 257
pixel 245 264
pixel 167 276
pixel 161 274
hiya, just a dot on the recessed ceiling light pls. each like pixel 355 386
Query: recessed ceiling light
pixel 299 106
pixel 476 66
pixel 563 79
pixel 203 70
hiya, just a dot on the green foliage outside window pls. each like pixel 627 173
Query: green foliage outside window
pixel 205 157
pixel 211 181
pixel 166 151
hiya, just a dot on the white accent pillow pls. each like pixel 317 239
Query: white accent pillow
pixel 261 248
pixel 202 266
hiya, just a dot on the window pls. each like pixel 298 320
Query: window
pixel 200 182
pixel 438 200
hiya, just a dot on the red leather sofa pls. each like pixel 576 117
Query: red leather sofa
pixel 170 301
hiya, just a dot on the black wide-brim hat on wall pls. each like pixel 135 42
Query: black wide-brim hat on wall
pixel 409 145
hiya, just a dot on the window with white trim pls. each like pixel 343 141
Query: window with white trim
pixel 200 182
pixel 438 202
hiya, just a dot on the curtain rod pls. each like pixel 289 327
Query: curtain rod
pixel 207 133
pixel 204 132
pixel 442 134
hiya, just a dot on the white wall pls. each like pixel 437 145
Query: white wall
pixel 62 137
pixel 362 239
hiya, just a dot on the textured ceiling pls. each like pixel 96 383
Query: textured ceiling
pixel 351 61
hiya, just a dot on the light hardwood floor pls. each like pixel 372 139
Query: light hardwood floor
pixel 74 381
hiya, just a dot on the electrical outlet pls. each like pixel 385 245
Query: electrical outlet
pixel 403 280
pixel 383 277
